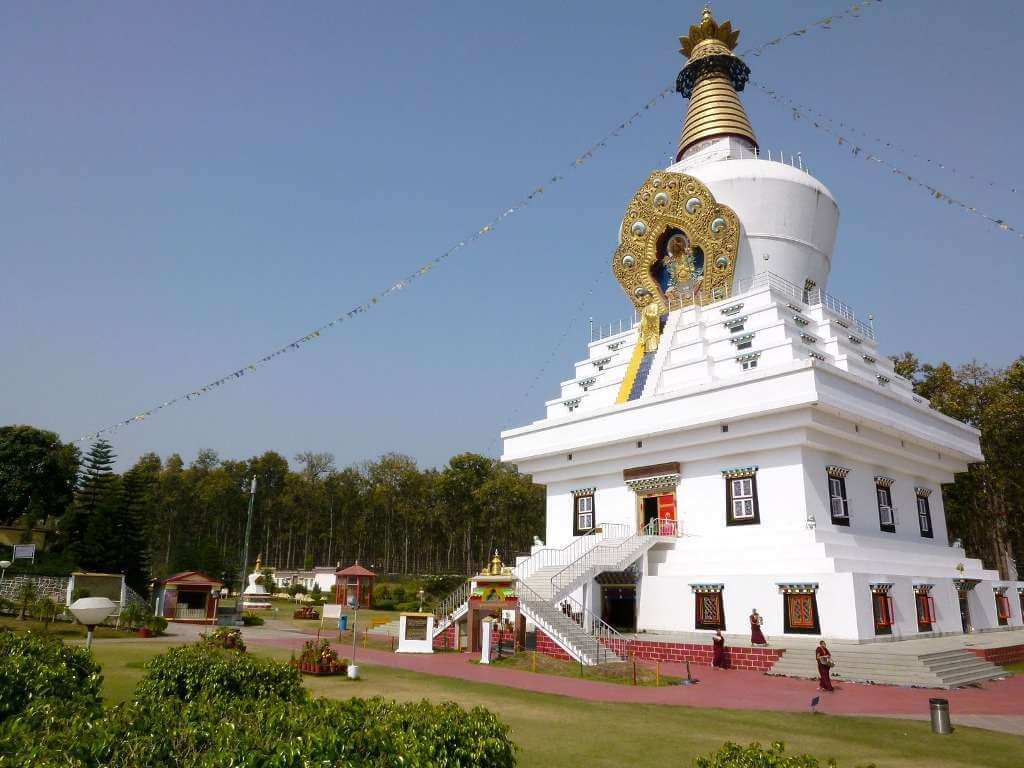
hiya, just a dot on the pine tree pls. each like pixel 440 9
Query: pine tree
pixel 131 525
pixel 94 485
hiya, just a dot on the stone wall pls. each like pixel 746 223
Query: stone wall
pixel 53 587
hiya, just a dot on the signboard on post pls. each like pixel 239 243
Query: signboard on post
pixel 24 552
pixel 416 633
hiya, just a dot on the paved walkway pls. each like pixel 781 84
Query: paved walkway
pixel 730 689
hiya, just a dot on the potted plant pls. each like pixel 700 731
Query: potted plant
pixel 305 612
pixel 318 658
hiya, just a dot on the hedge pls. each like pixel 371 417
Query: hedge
pixel 200 707
pixel 34 667
pixel 194 672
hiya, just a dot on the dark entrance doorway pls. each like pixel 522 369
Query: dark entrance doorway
pixel 650 509
pixel 965 610
pixel 618 598
pixel 618 607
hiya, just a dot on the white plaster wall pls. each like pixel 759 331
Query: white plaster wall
pixel 784 213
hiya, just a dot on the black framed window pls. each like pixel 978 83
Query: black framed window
pixel 800 613
pixel 709 610
pixel 741 501
pixel 583 514
pixel 886 516
pixel 838 504
pixel 924 516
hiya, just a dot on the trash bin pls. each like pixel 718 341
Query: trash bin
pixel 940 716
pixel 342 623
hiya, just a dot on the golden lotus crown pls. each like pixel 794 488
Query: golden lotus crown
pixel 709 29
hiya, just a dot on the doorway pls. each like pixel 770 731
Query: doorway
pixel 661 507
pixel 965 610
pixel 618 606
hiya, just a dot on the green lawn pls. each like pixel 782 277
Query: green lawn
pixel 66 630
pixel 558 731
pixel 646 676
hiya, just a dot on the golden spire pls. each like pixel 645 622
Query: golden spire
pixel 711 80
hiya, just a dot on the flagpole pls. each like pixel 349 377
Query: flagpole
pixel 245 548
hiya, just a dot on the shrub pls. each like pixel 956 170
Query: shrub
pixel 7 606
pixel 158 624
pixel 398 593
pixel 754 756
pixel 36 667
pixel 45 609
pixel 133 616
pixel 26 594
pixel 251 619
pixel 224 638
pixel 318 652
pixel 384 605
pixel 173 734
pixel 317 594
pixel 296 589
pixel 411 605
pixel 199 672
pixel 381 592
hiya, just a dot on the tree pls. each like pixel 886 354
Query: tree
pixel 130 527
pixel 26 595
pixel 36 469
pixel 89 527
pixel 984 506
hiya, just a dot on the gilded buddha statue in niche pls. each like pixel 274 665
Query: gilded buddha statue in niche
pixel 650 327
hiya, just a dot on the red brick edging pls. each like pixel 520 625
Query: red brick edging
pixel 755 659
pixel 1012 654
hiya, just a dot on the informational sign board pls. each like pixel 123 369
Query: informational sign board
pixel 24 552
pixel 332 611
pixel 416 628
pixel 416 633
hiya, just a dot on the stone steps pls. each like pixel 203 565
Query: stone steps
pixel 946 669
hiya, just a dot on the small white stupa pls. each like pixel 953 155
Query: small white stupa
pixel 256 597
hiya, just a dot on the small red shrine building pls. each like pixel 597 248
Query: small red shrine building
pixel 356 581
pixel 189 596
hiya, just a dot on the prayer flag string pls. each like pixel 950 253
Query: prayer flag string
pixel 806 110
pixel 824 24
pixel 395 287
pixel 857 151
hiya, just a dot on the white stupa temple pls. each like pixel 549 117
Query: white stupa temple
pixel 744 444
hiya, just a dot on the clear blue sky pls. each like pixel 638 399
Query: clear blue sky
pixel 186 186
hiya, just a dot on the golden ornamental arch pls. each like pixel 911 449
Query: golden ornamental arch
pixel 676 201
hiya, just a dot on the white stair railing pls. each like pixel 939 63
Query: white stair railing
pixel 549 556
pixel 602 555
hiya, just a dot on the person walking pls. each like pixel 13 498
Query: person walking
pixel 718 650
pixel 756 635
pixel 825 664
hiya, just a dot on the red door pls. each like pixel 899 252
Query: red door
pixel 667 514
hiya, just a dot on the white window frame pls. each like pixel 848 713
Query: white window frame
pixel 743 498
pixel 835 494
pixel 581 513
pixel 924 515
pixel 885 508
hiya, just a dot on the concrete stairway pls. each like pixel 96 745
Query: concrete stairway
pixel 572 636
pixel 882 664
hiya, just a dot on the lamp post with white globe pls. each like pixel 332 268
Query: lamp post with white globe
pixel 353 603
pixel 91 611
pixel 4 565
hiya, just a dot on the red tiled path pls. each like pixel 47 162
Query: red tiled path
pixel 729 689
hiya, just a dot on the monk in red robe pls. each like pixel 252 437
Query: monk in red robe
pixel 825 664
pixel 756 635
pixel 718 650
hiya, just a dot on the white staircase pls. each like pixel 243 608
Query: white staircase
pixel 545 580
pixel 882 664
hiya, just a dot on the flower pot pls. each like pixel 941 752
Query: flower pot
pixel 144 632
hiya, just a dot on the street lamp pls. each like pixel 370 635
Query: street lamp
pixel 353 603
pixel 214 594
pixel 91 611
pixel 4 565
pixel 421 595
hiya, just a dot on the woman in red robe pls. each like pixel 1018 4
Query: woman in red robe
pixel 756 636
pixel 825 664
pixel 718 651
